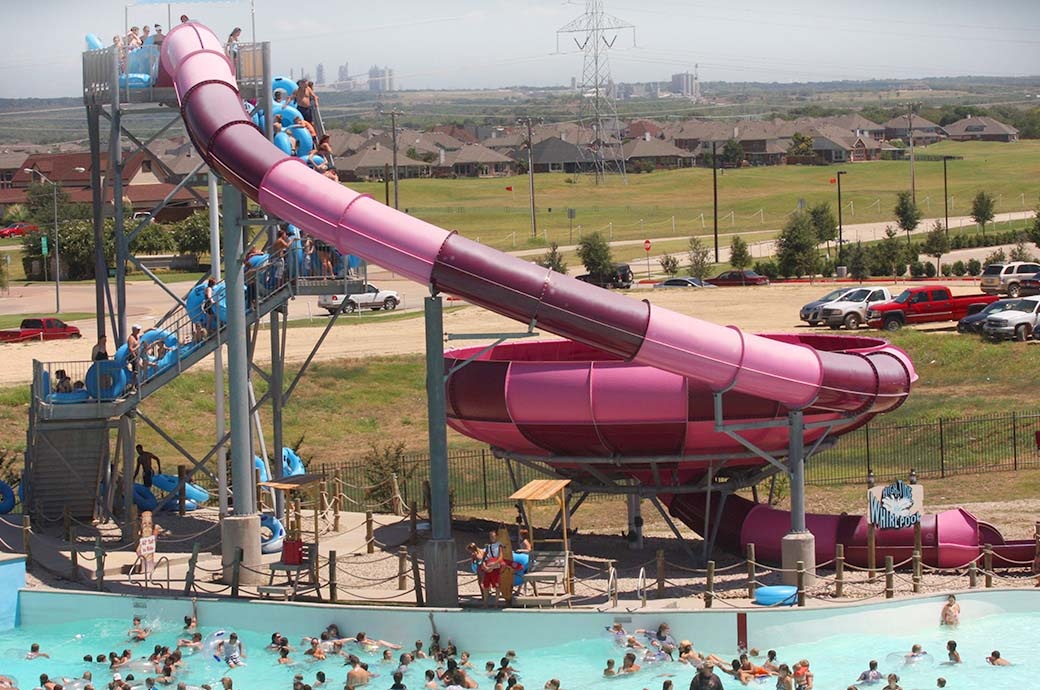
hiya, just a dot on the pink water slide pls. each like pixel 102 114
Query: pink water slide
pixel 632 379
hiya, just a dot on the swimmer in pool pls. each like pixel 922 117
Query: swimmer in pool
pixel 915 655
pixel 629 665
pixel 893 682
pixel 232 651
pixel 771 663
pixel 994 659
pixel 951 612
pixel 35 653
pixel 315 650
pixel 370 645
pixel 194 643
pixel 951 652
pixel 283 656
pixel 138 632
pixel 609 670
pixel 871 675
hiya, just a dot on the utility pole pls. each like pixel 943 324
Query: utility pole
pixel 946 196
pixel 393 142
pixel 841 239
pixel 530 172
pixel 715 198
pixel 910 134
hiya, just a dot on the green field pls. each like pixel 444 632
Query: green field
pixel 759 198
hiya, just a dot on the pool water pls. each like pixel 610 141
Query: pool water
pixel 836 661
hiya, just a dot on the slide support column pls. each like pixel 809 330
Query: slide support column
pixel 799 544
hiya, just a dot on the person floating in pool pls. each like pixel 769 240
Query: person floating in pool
pixel 916 654
pixel 994 659
pixel 663 635
pixel 368 644
pixel 35 653
pixel 951 612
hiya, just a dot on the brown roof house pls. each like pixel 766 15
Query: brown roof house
pixel 981 129
pixel 833 144
pixel 925 131
pixel 648 153
pixel 473 160
pixel 370 163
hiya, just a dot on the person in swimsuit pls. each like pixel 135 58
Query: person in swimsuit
pixel 893 682
pixel 803 677
pixel 951 652
pixel 951 612
pixel 144 465
pixel 784 680
pixel 871 675
pixel 232 651
pixel 994 659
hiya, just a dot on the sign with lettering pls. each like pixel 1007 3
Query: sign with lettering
pixel 146 547
pixel 895 506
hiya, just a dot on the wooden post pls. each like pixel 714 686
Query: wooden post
pixel 413 519
pixel 871 551
pixel 99 564
pixel 27 541
pixel 395 499
pixel 189 577
pixel 918 545
pixel 987 564
pixel 73 553
pixel 370 540
pixel 709 585
pixel 416 582
pixel 890 574
pixel 973 575
pixel 317 502
pixel 915 564
pixel 660 573
pixel 182 488
pixel 335 515
pixel 402 569
pixel 236 567
pixel 256 481
pixel 839 570
pixel 752 575
pixel 800 579
pixel 333 587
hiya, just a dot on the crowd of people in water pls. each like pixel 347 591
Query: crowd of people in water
pixel 381 664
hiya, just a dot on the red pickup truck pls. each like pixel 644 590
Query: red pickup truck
pixel 39 329
pixel 923 305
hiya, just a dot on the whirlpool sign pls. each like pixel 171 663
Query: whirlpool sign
pixel 895 506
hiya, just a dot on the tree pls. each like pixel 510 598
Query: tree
pixel 801 145
pixel 796 247
pixel 700 258
pixel 1033 231
pixel 594 252
pixel 191 235
pixel 739 256
pixel 982 209
pixel 15 213
pixel 858 262
pixel 995 257
pixel 907 214
pixel 824 224
pixel 1020 253
pixel 936 243
pixel 733 152
pixel 669 264
pixel 553 259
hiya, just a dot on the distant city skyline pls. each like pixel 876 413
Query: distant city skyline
pixel 474 44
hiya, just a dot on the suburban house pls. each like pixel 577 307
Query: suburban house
pixel 10 163
pixel 925 131
pixel 473 160
pixel 556 155
pixel 833 144
pixel 371 162
pixel 981 129
pixel 345 143
pixel 649 152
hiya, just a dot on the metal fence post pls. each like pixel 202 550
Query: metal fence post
pixel 99 564
pixel 27 541
pixel 942 450
pixel 483 474
pixel 1014 440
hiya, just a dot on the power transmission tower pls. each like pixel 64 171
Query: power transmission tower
pixel 595 34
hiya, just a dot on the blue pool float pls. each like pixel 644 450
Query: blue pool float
pixel 94 43
pixel 284 84
pixel 272 543
pixel 777 595
pixel 6 498
pixel 193 492
pixel 292 464
pixel 107 379
pixel 144 499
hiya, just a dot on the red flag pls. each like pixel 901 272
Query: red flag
pixel 833 180
pixel 509 188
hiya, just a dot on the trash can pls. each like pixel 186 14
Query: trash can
pixel 842 271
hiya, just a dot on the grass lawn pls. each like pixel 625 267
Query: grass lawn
pixel 759 198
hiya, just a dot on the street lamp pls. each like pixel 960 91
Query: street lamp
pixel 841 240
pixel 946 196
pixel 57 250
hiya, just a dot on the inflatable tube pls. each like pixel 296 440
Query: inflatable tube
pixel 288 113
pixel 284 84
pixel 94 42
pixel 144 499
pixel 77 396
pixel 197 297
pixel 135 81
pixel 304 140
pixel 172 504
pixel 6 498
pixel 210 643
pixel 292 465
pixel 272 543
pixel 193 492
pixel 258 260
pixel 777 595
pixel 261 467
pixel 518 575
pixel 313 160
pixel 107 379
pixel 284 142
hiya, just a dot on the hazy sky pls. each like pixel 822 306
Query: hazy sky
pixel 488 43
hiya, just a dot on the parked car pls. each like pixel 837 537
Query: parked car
pixel 745 277
pixel 850 310
pixel 39 329
pixel 17 230
pixel 998 279
pixel 620 277
pixel 923 305
pixel 810 313
pixel 684 282
pixel 1029 286
pixel 1016 322
pixel 372 298
pixel 977 314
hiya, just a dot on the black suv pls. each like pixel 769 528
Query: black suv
pixel 619 277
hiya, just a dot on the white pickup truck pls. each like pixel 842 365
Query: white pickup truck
pixel 1018 322
pixel 851 310
pixel 372 298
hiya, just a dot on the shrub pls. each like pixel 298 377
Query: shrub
pixel 669 264
pixel 946 270
pixel 959 268
pixel 929 270
pixel 974 267
pixel 917 269
pixel 767 268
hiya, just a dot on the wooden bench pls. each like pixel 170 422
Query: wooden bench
pixel 540 601
pixel 299 578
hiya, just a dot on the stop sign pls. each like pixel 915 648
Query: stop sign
pixel 646 245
